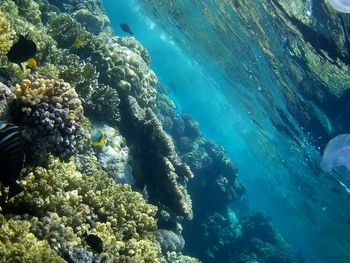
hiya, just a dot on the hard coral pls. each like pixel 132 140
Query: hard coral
pixel 154 154
pixel 18 244
pixel 69 203
pixel 6 34
pixel 53 113
pixel 126 69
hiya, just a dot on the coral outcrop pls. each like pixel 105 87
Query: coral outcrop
pixel 19 244
pixel 127 70
pixel 65 204
pixel 52 113
pixel 156 163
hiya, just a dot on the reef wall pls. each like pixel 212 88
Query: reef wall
pixel 76 205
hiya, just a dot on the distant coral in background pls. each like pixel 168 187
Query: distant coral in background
pixel 52 113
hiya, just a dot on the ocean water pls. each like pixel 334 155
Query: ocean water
pixel 216 71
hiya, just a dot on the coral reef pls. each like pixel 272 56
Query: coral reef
pixel 7 97
pixel 18 244
pixel 94 23
pixel 154 153
pixel 66 203
pixel 104 104
pixel 6 34
pixel 114 157
pixel 52 113
pixel 127 70
pixel 169 240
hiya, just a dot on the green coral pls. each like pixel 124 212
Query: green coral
pixel 18 244
pixel 61 196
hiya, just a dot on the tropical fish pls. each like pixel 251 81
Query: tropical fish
pixel 97 138
pixel 22 50
pixel 95 242
pixel 78 43
pixel 32 63
pixel 11 157
pixel 126 28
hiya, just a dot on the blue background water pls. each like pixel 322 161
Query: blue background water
pixel 281 173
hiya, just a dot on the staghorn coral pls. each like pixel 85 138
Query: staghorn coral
pixel 6 34
pixel 18 244
pixel 69 203
pixel 154 154
pixel 53 113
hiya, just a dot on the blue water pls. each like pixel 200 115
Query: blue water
pixel 281 173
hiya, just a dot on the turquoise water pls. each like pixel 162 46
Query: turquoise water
pixel 228 86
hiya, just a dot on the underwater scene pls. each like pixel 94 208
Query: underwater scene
pixel 175 131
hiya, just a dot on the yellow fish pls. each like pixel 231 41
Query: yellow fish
pixel 97 138
pixel 78 43
pixel 31 63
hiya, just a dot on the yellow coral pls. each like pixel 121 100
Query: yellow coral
pixel 37 89
pixel 122 219
pixel 17 244
pixel 6 34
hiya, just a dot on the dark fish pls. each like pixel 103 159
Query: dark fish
pixel 126 28
pixel 95 242
pixel 11 157
pixel 21 51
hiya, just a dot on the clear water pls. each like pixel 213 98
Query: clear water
pixel 226 83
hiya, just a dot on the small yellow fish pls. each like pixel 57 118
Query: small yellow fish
pixel 97 138
pixel 78 43
pixel 31 63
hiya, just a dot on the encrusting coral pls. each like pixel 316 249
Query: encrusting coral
pixel 66 203
pixel 52 113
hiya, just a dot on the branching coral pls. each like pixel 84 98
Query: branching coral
pixel 53 113
pixel 69 203
pixel 18 244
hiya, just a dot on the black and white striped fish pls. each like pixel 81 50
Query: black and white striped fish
pixel 11 157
